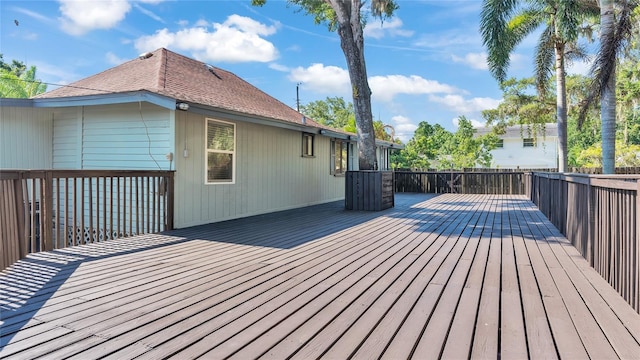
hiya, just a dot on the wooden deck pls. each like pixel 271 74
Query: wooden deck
pixel 450 276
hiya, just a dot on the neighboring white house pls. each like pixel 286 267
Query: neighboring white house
pixel 522 147
pixel 236 150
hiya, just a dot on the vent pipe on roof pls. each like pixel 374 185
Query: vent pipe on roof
pixel 145 55
pixel 212 70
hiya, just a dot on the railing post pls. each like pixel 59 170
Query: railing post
pixel 591 223
pixel 46 212
pixel 170 198
pixel 20 216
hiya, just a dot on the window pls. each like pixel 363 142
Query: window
pixel 339 156
pixel 528 142
pixel 307 145
pixel 500 144
pixel 220 160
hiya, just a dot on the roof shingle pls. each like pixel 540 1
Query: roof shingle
pixel 176 76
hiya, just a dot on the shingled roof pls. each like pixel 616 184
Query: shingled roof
pixel 176 76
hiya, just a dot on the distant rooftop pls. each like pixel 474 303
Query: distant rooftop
pixel 550 129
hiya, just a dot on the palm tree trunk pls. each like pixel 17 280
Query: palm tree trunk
pixel 561 107
pixel 608 94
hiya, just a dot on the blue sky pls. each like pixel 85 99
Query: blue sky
pixel 427 63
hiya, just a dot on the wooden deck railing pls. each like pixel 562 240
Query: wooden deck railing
pixel 461 182
pixel 43 210
pixel 600 215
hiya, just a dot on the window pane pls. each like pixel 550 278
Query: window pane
pixel 219 136
pixel 219 167
pixel 307 145
pixel 343 157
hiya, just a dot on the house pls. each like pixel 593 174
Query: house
pixel 236 151
pixel 525 148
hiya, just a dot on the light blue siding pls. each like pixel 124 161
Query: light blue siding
pixel 67 132
pixel 25 138
pixel 130 136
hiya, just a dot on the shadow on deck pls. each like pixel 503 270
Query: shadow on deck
pixel 446 276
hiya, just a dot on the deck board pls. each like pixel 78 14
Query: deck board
pixel 449 276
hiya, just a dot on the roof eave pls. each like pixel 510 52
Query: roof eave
pixel 107 99
pixel 261 120
pixel 11 102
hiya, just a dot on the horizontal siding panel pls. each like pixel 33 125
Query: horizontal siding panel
pixel 25 138
pixel 142 150
pixel 130 136
pixel 117 125
pixel 66 143
pixel 123 138
pixel 130 131
pixel 123 157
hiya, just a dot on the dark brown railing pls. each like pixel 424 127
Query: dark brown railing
pixel 42 210
pixel 461 182
pixel 600 216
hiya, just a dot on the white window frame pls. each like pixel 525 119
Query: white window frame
pixel 207 151
pixel 344 161
pixel 308 144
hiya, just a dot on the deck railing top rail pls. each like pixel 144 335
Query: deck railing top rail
pixel 618 181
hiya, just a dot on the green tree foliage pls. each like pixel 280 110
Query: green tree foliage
pixel 16 67
pixel 339 114
pixel 520 106
pixel 24 85
pixel 618 27
pixel 432 146
pixel 334 112
pixel 506 23
pixel 345 18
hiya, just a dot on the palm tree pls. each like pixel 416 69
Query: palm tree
pixel 614 33
pixel 24 85
pixel 505 23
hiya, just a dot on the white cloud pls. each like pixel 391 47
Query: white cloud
pixel 33 14
pixel 279 67
pixel 403 127
pixel 149 13
pixel 465 38
pixel 460 105
pixel 113 59
pixel 322 79
pixel 79 17
pixel 474 60
pixel 384 88
pixel 238 39
pixel 201 23
pixel 392 27
pixel 475 123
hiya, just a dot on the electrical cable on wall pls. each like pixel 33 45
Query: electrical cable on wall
pixel 149 138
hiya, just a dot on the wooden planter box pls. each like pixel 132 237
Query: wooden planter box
pixel 369 190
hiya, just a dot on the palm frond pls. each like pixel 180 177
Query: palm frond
pixel 493 20
pixel 544 60
pixel 611 44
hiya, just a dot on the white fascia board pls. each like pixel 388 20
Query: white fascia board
pixel 106 99
pixel 254 119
